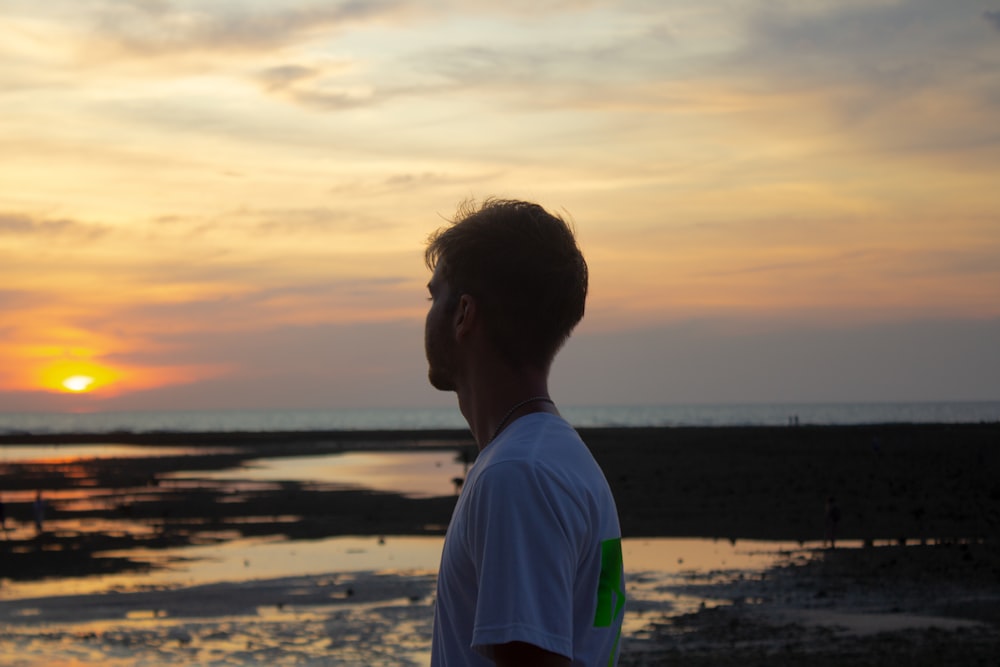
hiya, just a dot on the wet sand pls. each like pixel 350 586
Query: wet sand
pixel 925 498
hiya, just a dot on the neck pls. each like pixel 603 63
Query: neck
pixel 491 406
pixel 509 416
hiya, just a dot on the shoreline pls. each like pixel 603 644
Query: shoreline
pixel 388 435
pixel 908 482
pixel 905 483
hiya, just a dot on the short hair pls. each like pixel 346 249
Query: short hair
pixel 523 266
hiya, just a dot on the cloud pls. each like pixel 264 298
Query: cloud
pixel 522 63
pixel 993 17
pixel 283 77
pixel 541 68
pixel 164 28
pixel 715 361
pixel 319 86
pixel 892 79
pixel 268 222
pixel 230 303
pixel 333 98
pixel 22 225
pixel 10 299
pixel 832 261
pixel 313 221
pixel 894 48
pixel 411 180
pixel 377 185
pixel 982 260
pixel 319 222
pixel 309 366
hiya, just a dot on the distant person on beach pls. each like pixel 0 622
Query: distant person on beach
pixel 832 520
pixel 38 508
pixel 531 570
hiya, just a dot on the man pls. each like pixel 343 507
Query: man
pixel 531 571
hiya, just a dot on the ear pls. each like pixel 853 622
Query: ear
pixel 466 316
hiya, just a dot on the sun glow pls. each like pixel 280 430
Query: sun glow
pixel 77 376
pixel 78 383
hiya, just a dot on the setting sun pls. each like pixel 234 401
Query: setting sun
pixel 78 383
pixel 76 375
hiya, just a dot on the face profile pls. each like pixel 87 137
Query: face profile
pixel 438 334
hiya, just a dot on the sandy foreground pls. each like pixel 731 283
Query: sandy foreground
pixel 915 580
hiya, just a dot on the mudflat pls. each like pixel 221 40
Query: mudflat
pixel 919 505
pixel 901 482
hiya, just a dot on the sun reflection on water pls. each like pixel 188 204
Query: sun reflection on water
pixel 416 474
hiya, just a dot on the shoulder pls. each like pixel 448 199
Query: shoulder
pixel 539 445
pixel 536 437
pixel 540 454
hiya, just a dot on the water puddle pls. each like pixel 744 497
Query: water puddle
pixel 671 576
pixel 415 474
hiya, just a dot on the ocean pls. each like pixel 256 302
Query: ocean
pixel 762 414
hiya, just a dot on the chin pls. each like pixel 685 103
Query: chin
pixel 440 381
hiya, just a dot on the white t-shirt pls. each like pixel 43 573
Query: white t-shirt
pixel 533 552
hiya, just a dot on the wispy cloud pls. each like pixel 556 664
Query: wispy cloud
pixel 887 65
pixel 247 307
pixel 13 299
pixel 283 77
pixel 28 226
pixel 835 260
pixel 166 28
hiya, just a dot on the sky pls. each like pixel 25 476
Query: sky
pixel 224 205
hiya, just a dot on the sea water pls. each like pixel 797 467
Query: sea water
pixel 761 414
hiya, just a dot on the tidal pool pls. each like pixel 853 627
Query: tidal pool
pixel 415 474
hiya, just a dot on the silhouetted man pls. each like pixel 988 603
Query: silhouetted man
pixel 531 571
pixel 38 510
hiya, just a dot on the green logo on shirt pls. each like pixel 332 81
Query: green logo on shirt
pixel 610 596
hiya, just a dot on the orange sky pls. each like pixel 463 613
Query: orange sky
pixel 224 204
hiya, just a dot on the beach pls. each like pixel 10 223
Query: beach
pixel 916 571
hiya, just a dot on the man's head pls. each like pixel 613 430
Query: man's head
pixel 522 266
